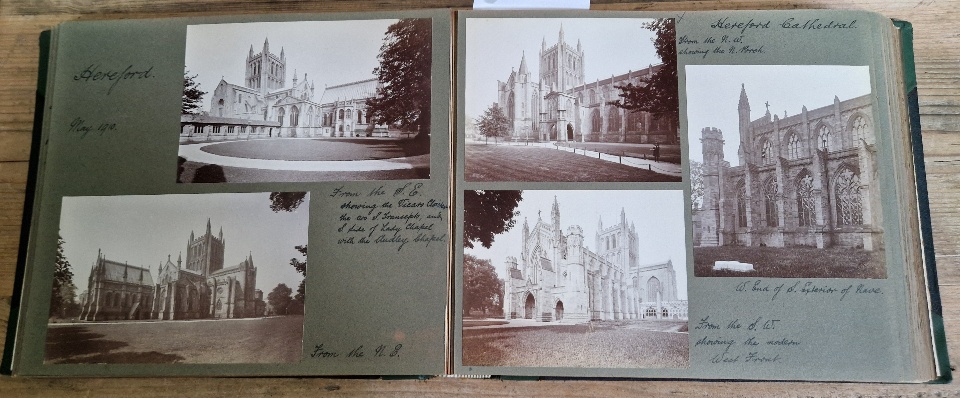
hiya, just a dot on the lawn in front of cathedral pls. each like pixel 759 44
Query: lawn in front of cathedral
pixel 602 344
pixel 792 262
pixel 252 340
pixel 534 163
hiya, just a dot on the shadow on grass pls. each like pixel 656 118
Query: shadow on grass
pixel 75 344
pixel 627 344
pixel 792 262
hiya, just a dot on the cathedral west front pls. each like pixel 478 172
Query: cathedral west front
pixel 557 277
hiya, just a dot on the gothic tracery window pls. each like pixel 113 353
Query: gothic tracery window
pixel 653 287
pixel 597 122
pixel 793 146
pixel 634 122
pixel 770 202
pixel 849 205
pixel 824 139
pixel 294 116
pixel 805 201
pixel 613 119
pixel 766 152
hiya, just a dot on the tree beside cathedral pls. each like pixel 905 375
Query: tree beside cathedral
pixel 493 123
pixel 403 95
pixel 658 93
pixel 192 95
pixel 64 291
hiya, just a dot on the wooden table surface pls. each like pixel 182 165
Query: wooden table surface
pixel 937 47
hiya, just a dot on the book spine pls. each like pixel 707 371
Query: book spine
pixel 6 363
pixel 923 203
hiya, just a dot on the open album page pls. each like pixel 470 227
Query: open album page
pixel 689 195
pixel 260 195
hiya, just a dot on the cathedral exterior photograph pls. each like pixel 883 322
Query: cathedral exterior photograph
pixel 291 101
pixel 787 164
pixel 215 267
pixel 551 83
pixel 578 281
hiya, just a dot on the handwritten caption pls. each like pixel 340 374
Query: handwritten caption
pixel 80 126
pixel 395 217
pixel 733 36
pixel 94 74
pixel 758 340
pixel 361 351
pixel 839 291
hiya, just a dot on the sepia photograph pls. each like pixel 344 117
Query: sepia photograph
pixel 194 278
pixel 551 279
pixel 571 100
pixel 303 102
pixel 783 171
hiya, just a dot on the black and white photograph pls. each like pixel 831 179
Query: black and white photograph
pixel 303 102
pixel 552 279
pixel 784 172
pixel 571 100
pixel 194 278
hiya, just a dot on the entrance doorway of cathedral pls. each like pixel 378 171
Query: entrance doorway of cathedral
pixel 529 307
pixel 558 312
pixel 569 132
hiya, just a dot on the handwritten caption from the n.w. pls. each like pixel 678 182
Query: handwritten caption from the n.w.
pixel 399 217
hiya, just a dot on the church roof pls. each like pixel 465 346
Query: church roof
pixel 350 91
pixel 120 272
pixel 653 266
pixel 617 79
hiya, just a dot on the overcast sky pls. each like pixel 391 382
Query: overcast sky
pixel 657 215
pixel 143 230
pixel 713 95
pixel 611 46
pixel 329 52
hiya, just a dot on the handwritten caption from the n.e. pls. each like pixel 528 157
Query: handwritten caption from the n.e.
pixel 362 351
pixel 740 37
pixel 399 216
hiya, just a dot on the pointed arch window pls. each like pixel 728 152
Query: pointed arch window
pixel 806 213
pixel 824 139
pixel 849 200
pixel 766 152
pixel 280 114
pixel 613 119
pixel 793 146
pixel 294 116
pixel 634 121
pixel 770 202
pixel 597 122
pixel 653 287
